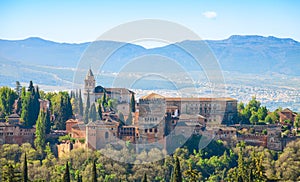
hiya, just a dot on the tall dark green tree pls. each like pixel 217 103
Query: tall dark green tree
pixel 47 122
pixel 132 103
pixel 93 113
pixel 100 117
pixel 78 177
pixel 177 177
pixel 144 178
pixel 87 109
pixel 88 103
pixel 25 170
pixel 18 88
pixel 94 172
pixel 80 104
pixel 30 106
pixel 129 119
pixel 7 100
pixel 66 176
pixel 86 115
pixel 30 87
pixel 121 119
pixel 62 110
pixel 104 101
pixel 36 103
pixel 40 131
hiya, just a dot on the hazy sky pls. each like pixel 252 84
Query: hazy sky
pixel 80 21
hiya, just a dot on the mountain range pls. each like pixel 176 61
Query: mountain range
pixel 51 63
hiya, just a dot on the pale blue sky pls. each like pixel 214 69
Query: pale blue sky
pixel 80 21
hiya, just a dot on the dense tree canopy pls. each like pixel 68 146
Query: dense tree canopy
pixel 7 99
pixel 240 163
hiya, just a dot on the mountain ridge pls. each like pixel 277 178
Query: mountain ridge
pixel 251 54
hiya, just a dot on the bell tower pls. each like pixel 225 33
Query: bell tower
pixel 89 86
pixel 89 81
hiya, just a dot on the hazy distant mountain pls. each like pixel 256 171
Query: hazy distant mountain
pixel 245 54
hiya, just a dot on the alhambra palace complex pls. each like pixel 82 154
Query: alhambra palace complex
pixel 157 118
pixel 158 121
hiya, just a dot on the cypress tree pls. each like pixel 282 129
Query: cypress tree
pixel 104 101
pixel 30 106
pixel 76 94
pixel 78 177
pixel 129 119
pixel 176 171
pixel 88 103
pixel 18 88
pixel 36 104
pixel 40 133
pixel 25 170
pixel 86 115
pixel 100 117
pixel 66 176
pixel 47 122
pixel 80 104
pixel 93 113
pixel 87 109
pixel 30 87
pixel 94 172
pixel 132 103
pixel 144 178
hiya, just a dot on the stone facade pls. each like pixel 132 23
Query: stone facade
pixel 101 133
pixel 286 114
pixel 15 134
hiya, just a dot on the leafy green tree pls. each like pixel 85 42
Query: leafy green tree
pixel 7 100
pixel 297 121
pixel 240 106
pixel 25 170
pixel 254 119
pixel 176 171
pixel 262 113
pixel 40 133
pixel 112 104
pixel 104 101
pixel 191 174
pixel 253 104
pixel 268 119
pixel 66 176
pixel 241 169
pixel 10 173
pixel 62 109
